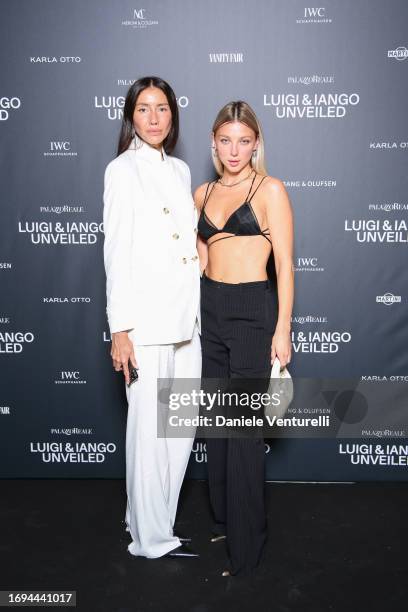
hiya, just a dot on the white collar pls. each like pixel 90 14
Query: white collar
pixel 144 150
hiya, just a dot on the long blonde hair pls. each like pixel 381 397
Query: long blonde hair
pixel 241 111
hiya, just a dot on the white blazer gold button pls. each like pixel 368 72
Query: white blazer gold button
pixel 195 257
pixel 184 259
pixel 166 211
pixel 176 236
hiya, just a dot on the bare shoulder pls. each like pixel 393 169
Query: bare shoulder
pixel 274 193
pixel 199 194
pixel 273 186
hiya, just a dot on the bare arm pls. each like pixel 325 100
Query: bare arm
pixel 280 223
pixel 202 247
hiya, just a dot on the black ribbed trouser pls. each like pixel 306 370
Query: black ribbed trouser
pixel 237 324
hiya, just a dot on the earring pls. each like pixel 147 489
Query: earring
pixel 215 152
pixel 254 152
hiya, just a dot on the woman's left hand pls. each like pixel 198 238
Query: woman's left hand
pixel 281 347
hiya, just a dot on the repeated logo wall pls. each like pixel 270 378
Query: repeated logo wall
pixel 329 85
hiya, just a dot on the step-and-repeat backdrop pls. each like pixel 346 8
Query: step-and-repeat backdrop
pixel 329 85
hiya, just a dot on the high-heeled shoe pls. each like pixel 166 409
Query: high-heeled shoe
pixel 183 539
pixel 181 551
pixel 217 537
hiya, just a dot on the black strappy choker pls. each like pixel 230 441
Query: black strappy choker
pixel 242 222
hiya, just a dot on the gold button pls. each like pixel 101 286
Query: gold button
pixel 195 229
pixel 184 259
pixel 166 211
pixel 176 236
pixel 195 257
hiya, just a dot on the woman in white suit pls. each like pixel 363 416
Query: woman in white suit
pixel 152 288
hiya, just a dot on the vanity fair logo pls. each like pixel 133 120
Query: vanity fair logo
pixel 70 377
pixel 55 60
pixel 113 105
pixel 72 452
pixel 314 79
pixel 66 300
pixel 57 232
pixel 15 341
pixel 226 58
pixel 140 20
pixel 388 299
pixel 301 319
pixel 314 15
pixel 308 264
pixel 400 53
pixel 319 342
pixel 60 148
pixel 7 105
pixel 5 265
pixel 389 145
pixel 376 230
pixel 311 106
pixel 310 183
pixel 388 206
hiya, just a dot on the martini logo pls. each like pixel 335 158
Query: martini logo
pixel 388 299
pixel 400 53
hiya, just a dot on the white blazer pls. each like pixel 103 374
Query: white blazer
pixel 151 261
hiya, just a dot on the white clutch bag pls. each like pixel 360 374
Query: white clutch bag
pixel 281 385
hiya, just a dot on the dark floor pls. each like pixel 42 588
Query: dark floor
pixel 331 547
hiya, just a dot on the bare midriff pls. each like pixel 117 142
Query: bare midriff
pixel 239 259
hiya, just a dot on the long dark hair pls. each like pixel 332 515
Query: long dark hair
pixel 126 132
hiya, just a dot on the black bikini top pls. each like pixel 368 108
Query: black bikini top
pixel 242 222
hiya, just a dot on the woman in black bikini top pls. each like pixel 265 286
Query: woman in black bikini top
pixel 242 328
pixel 242 222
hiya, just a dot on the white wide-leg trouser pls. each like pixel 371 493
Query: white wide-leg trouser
pixel 155 466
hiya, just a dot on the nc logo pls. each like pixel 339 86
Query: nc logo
pixel 58 146
pixel 139 14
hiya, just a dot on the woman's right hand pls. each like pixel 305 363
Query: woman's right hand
pixel 121 351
